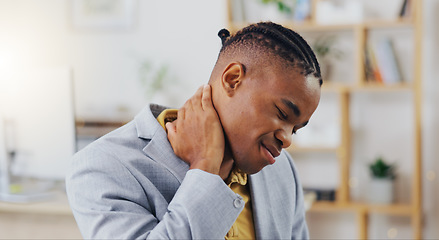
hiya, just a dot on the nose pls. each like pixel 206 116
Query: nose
pixel 284 136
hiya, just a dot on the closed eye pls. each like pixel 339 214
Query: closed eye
pixel 282 115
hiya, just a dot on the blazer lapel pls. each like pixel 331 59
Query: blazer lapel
pixel 264 205
pixel 158 148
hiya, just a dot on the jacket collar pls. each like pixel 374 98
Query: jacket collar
pixel 264 209
pixel 158 147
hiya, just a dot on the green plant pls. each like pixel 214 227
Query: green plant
pixel 323 46
pixel 326 52
pixel 380 169
pixel 153 77
pixel 282 5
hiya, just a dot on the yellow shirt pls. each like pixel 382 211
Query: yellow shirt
pixel 243 228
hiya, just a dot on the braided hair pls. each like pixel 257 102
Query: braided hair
pixel 281 41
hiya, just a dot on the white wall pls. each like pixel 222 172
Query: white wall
pixel 105 64
pixel 183 34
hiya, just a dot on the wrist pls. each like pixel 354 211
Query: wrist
pixel 206 165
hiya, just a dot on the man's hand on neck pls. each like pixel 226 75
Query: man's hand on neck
pixel 197 135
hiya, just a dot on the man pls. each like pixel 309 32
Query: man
pixel 215 168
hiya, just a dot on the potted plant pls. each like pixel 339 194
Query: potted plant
pixel 155 77
pixel 326 53
pixel 382 182
pixel 268 10
pixel 282 5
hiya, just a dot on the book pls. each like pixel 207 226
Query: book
pixel 374 72
pixel 405 8
pixel 386 61
pixel 302 10
pixel 368 68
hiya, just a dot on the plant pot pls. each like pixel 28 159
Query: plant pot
pixel 381 191
pixel 326 69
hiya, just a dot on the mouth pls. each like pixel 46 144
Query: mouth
pixel 270 152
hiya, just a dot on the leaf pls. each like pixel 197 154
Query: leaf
pixel 381 169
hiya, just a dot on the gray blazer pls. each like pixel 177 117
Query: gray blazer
pixel 130 185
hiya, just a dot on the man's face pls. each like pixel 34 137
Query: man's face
pixel 269 105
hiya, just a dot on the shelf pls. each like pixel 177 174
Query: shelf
pixel 382 87
pixel 296 149
pixel 57 206
pixel 331 86
pixel 326 206
pixel 98 123
pixel 96 128
pixel 363 33
pixel 392 209
pixel 308 26
pixel 395 209
pixel 399 23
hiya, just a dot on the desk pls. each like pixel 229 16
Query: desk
pixel 51 219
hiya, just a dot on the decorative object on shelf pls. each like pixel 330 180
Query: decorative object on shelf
pixel 405 9
pixel 270 10
pixel 297 10
pixel 309 198
pixel 302 11
pixel 381 62
pixel 339 12
pixel 389 10
pixel 326 53
pixel 284 6
pixel 265 10
pixel 322 194
pixel 382 182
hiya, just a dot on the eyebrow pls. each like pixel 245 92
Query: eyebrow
pixel 292 106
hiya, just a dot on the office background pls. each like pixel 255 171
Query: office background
pixel 108 64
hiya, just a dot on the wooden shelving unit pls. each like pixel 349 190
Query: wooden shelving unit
pixel 95 128
pixel 57 205
pixel 344 151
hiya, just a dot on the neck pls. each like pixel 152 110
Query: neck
pixel 226 165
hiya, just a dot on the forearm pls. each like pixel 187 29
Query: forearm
pixel 107 205
pixel 199 210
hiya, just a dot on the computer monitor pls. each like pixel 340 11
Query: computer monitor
pixel 38 121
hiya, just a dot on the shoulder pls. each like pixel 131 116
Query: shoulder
pixel 109 148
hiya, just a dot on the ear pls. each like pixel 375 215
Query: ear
pixel 232 77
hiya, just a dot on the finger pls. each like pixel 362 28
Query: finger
pixel 172 132
pixel 206 100
pixel 196 99
pixel 171 127
pixel 191 103
pixel 181 113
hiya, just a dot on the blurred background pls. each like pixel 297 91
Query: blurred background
pixel 73 70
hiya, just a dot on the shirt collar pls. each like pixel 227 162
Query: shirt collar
pixel 237 176
pixel 168 115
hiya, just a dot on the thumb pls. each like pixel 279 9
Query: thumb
pixel 171 128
